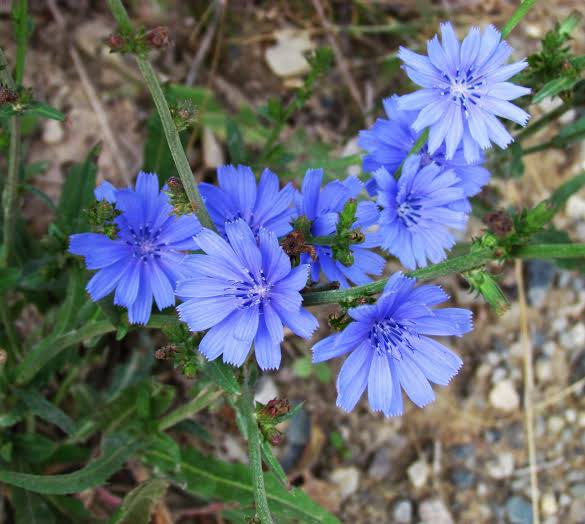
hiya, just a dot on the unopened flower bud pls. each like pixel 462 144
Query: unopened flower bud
pixel 158 37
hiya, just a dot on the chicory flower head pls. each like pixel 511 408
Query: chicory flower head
pixel 321 206
pixel 261 205
pixel 146 259
pixel 418 210
pixel 464 89
pixel 389 141
pixel 390 349
pixel 244 292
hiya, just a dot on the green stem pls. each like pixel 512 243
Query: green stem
pixel 169 127
pixel 551 251
pixel 418 145
pixel 518 15
pixel 542 122
pixel 540 147
pixel 12 349
pixel 254 450
pixel 20 16
pixel 10 191
pixel 459 264
pixel 205 398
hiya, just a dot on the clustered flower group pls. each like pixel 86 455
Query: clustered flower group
pixel 239 285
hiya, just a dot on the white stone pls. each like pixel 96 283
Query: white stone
pixel 548 504
pixel 212 152
pixel 502 467
pixel 571 416
pixel 418 473
pixel 498 375
pixel 53 132
pixel 581 421
pixel 287 57
pixel 266 390
pixel 576 207
pixel 543 370
pixel 352 148
pixel 555 424
pixel 574 338
pixel 434 511
pixel 504 396
pixel 403 512
pixel 347 480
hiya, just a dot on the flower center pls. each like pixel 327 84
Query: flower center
pixel 409 211
pixel 463 88
pixel 252 292
pixel 389 337
pixel 145 242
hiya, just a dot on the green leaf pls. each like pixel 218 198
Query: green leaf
pixel 217 480
pixel 554 87
pixel 9 276
pixel 77 194
pixel 45 410
pixel 116 450
pixel 71 508
pixel 30 508
pixel 34 448
pixel 235 142
pixel 157 155
pixel 222 375
pixel 560 196
pixel 302 367
pixel 74 299
pixel 45 111
pixel 272 461
pixel 9 419
pixel 140 502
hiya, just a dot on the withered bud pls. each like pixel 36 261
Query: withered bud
pixel 7 96
pixel 165 352
pixel 158 37
pixel 499 222
pixel 275 438
pixel 174 183
pixel 294 244
pixel 115 42
pixel 277 407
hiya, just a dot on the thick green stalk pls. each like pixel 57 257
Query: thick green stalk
pixel 518 15
pixel 248 411
pixel 459 264
pixel 169 127
pixel 452 265
pixel 540 147
pixel 205 397
pixel 551 251
pixel 20 16
pixel 10 191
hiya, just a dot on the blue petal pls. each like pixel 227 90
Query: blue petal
pixel 301 322
pixel 203 313
pixel 275 262
pixel 181 229
pixel 244 328
pixel 273 323
pixel 139 311
pixel 243 242
pixel 446 322
pixel 162 289
pixel 353 377
pixel 380 383
pixel 294 281
pixel 105 191
pixel 214 341
pixel 311 189
pixel 267 352
pixel 414 382
pixel 127 289
pixel 104 281
pixel 99 250
pixel 326 349
pixel 352 336
pixel 438 363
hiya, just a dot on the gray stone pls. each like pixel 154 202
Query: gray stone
pixel 578 491
pixel 434 511
pixel 502 466
pixel 403 512
pixel 539 277
pixel 347 480
pixel 381 464
pixel 463 478
pixel 519 510
pixel 573 338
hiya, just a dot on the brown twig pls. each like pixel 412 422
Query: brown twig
pixel 528 391
pixel 339 58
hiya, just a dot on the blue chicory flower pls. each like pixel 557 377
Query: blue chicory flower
pixel 464 89
pixel 322 208
pixel 390 348
pixel 261 205
pixel 244 292
pixel 146 259
pixel 389 141
pixel 418 210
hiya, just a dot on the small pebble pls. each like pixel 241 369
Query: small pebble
pixel 555 424
pixel 502 466
pixel 519 510
pixel 463 478
pixel 573 338
pixel 53 132
pixel 543 370
pixel 571 416
pixel 434 511
pixel 548 504
pixel 418 473
pixel 266 390
pixel 575 207
pixel 504 396
pixel 381 464
pixel 403 512
pixel 347 480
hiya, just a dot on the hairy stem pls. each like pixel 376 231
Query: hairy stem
pixel 20 16
pixel 254 450
pixel 169 127
pixel 10 191
pixel 542 122
pixel 518 15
